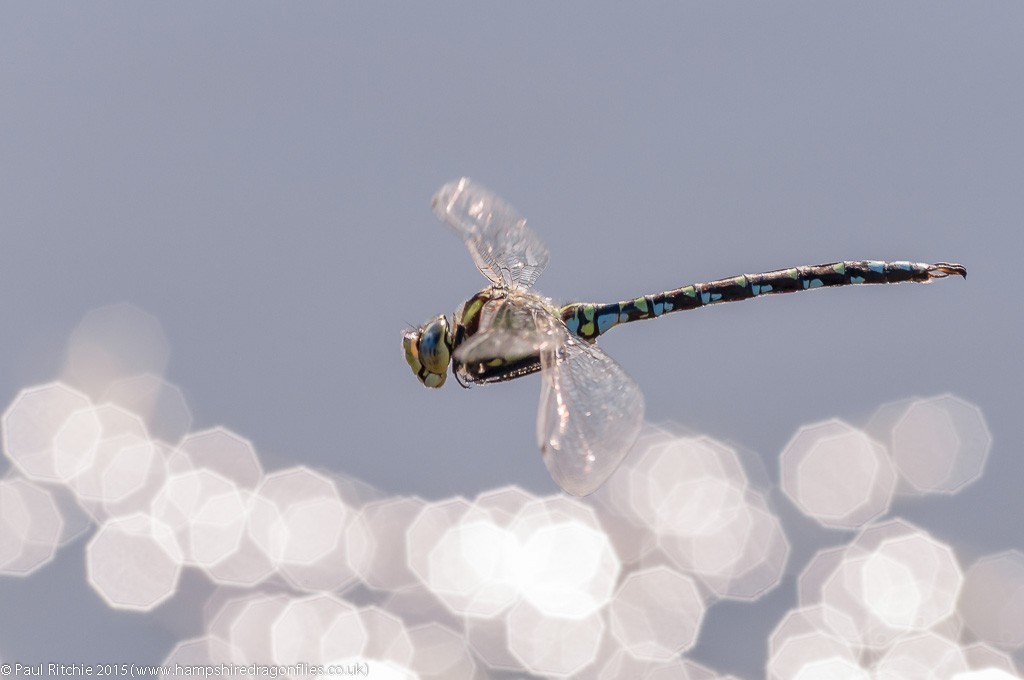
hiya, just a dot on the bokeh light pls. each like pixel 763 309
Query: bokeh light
pixel 31 424
pixel 992 602
pixel 31 526
pixel 309 566
pixel 657 613
pixel 113 343
pixel 134 562
pixel 837 475
pixel 939 444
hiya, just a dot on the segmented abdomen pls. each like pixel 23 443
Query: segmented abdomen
pixel 588 321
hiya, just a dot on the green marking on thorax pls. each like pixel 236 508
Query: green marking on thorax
pixel 475 305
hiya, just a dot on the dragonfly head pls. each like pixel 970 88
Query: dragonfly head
pixel 428 350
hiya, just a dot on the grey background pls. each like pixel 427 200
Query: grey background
pixel 258 177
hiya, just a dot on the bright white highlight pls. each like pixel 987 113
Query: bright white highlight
pixel 31 424
pixel 31 525
pixel 550 646
pixel 691 497
pixel 911 582
pixel 993 599
pixel 837 475
pixel 657 613
pixel 308 566
pixel 134 562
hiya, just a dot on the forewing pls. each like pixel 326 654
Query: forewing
pixel 504 249
pixel 589 416
pixel 518 327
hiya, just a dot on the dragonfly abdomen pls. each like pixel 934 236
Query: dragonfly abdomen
pixel 588 321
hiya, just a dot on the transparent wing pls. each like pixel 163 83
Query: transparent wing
pixel 589 416
pixel 504 249
pixel 519 326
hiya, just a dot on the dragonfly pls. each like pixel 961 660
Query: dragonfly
pixel 590 410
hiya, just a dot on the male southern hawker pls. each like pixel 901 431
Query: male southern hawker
pixel 590 410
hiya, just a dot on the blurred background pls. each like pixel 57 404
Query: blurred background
pixel 235 197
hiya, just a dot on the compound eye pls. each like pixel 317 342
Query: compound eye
pixel 428 351
pixel 410 341
pixel 435 346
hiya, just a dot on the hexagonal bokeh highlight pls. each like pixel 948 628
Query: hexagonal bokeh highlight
pixel 565 566
pixel 924 655
pixel 813 654
pixel 217 528
pixel 159 403
pixel 550 646
pixel 206 513
pixel 992 599
pixel 432 522
pixel 837 475
pixel 472 568
pixel 417 605
pixel 910 582
pixel 247 625
pixel 111 343
pixel 75 443
pixel 126 472
pixel 892 581
pixel 742 558
pixel 940 444
pixel 226 453
pixel 611 587
pixel 301 528
pixel 375 542
pixel 686 485
pixel 207 650
pixel 690 496
pixel 488 638
pixel 440 653
pixel 134 562
pixel 32 422
pixel 816 620
pixel 981 655
pixel 310 630
pixel 504 503
pixel 656 613
pixel 246 563
pixel 31 525
pixel 480 560
pixel 987 674
pixel 344 635
pixel 387 638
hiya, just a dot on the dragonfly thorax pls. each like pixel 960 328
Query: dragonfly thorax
pixel 428 351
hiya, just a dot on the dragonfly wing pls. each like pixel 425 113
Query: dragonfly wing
pixel 518 327
pixel 504 249
pixel 589 416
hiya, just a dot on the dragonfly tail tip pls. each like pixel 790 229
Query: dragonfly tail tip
pixel 941 270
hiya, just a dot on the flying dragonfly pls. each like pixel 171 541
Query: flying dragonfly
pixel 590 410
